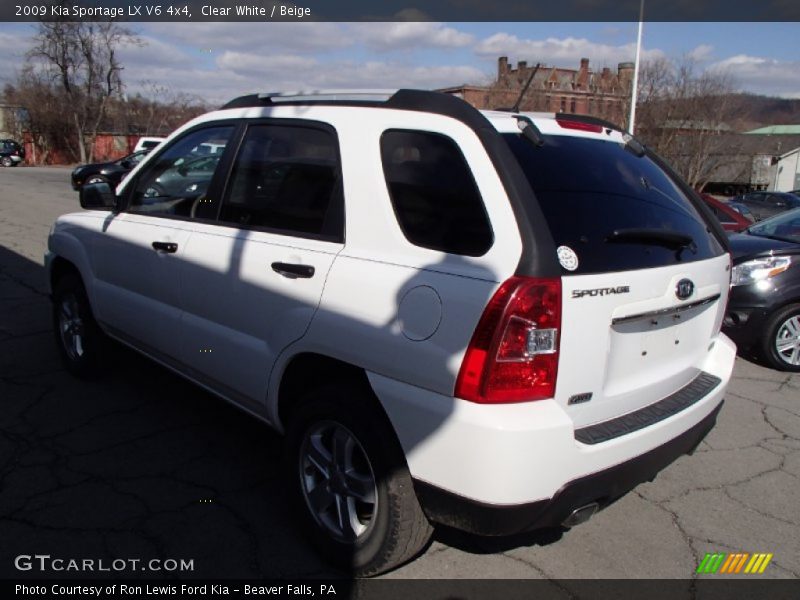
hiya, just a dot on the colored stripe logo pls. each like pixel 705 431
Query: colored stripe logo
pixel 734 563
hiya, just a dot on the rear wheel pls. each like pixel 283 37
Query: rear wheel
pixel 7 162
pixel 781 344
pixel 350 483
pixel 80 341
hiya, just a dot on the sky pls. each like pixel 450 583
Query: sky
pixel 218 61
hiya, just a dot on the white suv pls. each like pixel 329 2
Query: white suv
pixel 494 321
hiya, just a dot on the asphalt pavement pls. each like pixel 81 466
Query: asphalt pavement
pixel 141 464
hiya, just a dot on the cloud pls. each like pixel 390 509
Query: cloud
pixel 761 75
pixel 263 37
pixel 564 52
pixel 701 53
pixel 15 45
pixel 407 35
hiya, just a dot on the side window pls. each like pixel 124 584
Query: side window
pixel 721 215
pixel 177 181
pixel 286 179
pixel 775 201
pixel 433 193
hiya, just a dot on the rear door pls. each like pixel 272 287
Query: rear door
pixel 252 280
pixel 644 281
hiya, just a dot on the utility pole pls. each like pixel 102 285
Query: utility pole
pixel 635 86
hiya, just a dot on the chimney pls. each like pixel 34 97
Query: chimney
pixel 584 64
pixel 521 65
pixel 502 65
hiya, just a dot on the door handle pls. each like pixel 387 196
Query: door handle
pixel 293 271
pixel 168 247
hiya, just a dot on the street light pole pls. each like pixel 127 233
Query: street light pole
pixel 635 86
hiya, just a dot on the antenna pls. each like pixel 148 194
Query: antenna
pixel 515 108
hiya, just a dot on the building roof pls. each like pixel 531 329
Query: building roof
pixel 776 130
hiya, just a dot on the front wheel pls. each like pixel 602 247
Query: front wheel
pixel 80 341
pixel 7 162
pixel 350 483
pixel 781 343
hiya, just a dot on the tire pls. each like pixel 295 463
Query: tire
pixel 364 475
pixel 7 162
pixel 780 347
pixel 81 343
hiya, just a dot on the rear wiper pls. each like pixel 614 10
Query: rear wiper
pixel 660 237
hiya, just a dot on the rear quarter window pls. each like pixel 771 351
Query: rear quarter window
pixel 434 196
pixel 588 189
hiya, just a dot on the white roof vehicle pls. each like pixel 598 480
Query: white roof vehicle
pixel 147 143
pixel 491 320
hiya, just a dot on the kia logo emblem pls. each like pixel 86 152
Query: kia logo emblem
pixel 684 289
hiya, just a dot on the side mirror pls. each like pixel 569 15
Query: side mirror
pixel 98 196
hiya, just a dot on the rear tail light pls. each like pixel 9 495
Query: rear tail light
pixel 513 354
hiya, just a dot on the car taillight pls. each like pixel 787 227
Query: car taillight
pixel 513 354
pixel 580 125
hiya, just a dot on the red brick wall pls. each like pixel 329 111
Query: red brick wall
pixel 107 147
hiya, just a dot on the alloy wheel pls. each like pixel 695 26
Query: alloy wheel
pixel 337 481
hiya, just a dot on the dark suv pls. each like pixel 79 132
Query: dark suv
pixel 11 153
pixel 767 204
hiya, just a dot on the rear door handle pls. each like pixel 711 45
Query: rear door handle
pixel 293 271
pixel 168 247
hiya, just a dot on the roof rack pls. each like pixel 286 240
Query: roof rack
pixel 374 95
pixel 334 96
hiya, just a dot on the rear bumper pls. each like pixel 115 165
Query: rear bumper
pixel 602 488
pixel 522 457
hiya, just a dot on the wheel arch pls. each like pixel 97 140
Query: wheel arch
pixel 306 371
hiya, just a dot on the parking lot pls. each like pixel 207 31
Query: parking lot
pixel 141 464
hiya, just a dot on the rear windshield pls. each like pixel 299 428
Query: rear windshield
pixel 589 189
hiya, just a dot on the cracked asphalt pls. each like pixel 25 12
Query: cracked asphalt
pixel 141 464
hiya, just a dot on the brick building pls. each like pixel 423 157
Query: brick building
pixel 603 93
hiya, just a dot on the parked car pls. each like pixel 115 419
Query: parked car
pixel 521 324
pixel 147 143
pixel 766 204
pixel 729 218
pixel 11 153
pixel 742 210
pixel 764 308
pixel 106 172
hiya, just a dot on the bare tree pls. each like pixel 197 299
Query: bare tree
pixel 81 59
pixel 682 115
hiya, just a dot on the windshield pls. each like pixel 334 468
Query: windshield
pixel 613 209
pixel 785 226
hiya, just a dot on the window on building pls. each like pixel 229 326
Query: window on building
pixel 572 106
pixel 563 104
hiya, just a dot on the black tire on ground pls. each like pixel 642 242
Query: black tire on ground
pixel 367 479
pixel 782 328
pixel 7 162
pixel 81 343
